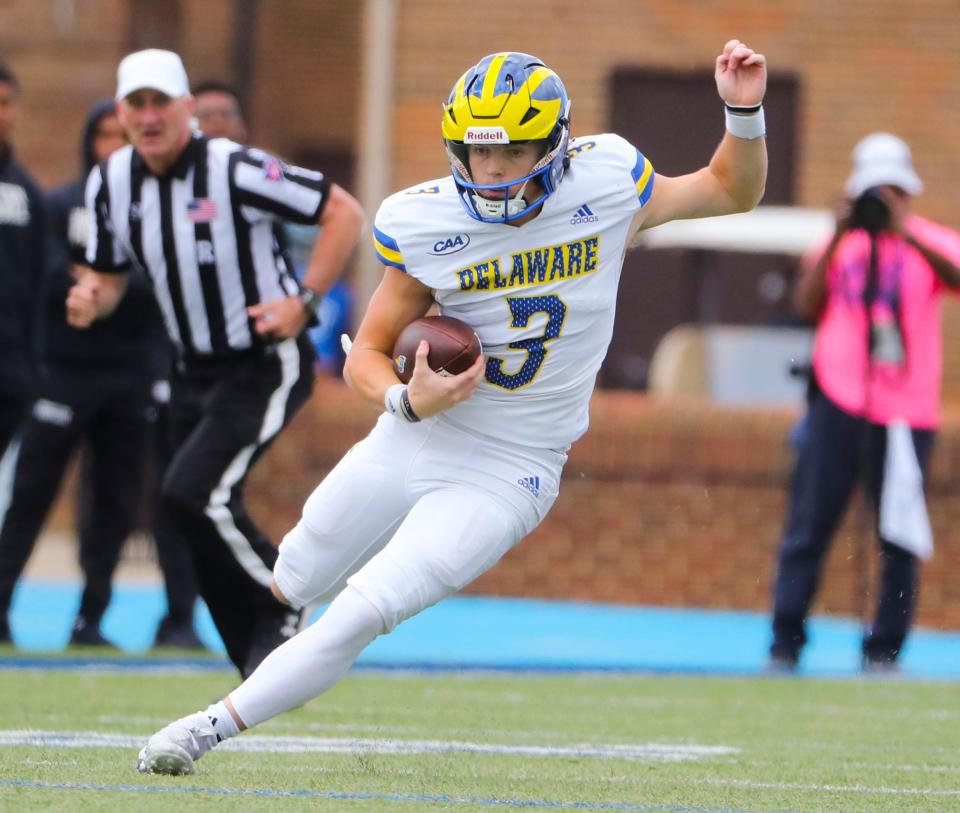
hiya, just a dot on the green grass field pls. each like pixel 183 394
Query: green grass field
pixel 384 741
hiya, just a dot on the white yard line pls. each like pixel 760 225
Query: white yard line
pixel 860 789
pixel 873 766
pixel 649 752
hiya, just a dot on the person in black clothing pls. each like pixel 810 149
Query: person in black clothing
pixel 196 214
pixel 176 627
pixel 94 390
pixel 219 115
pixel 21 271
pixel 218 107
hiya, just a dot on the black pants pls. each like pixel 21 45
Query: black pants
pixel 173 551
pixel 105 410
pixel 16 395
pixel 223 416
pixel 837 452
pixel 12 413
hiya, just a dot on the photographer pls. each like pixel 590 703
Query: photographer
pixel 873 292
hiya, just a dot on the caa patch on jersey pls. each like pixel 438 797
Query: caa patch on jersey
pixel 450 245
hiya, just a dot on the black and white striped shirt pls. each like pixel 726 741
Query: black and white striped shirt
pixel 203 231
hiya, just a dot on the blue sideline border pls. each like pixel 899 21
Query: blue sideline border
pixel 472 632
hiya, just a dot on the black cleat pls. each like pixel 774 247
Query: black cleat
pixel 85 634
pixel 879 666
pixel 783 665
pixel 177 636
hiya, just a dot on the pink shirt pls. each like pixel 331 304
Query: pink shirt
pixel 909 292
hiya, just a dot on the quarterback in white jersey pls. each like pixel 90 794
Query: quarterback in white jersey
pixel 524 241
pixel 540 299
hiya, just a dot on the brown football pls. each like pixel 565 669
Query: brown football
pixel 454 346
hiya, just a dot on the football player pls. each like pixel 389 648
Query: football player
pixel 524 241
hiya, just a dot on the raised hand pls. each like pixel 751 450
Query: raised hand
pixel 741 75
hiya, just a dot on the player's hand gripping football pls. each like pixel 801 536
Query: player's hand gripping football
pixel 430 392
pixel 741 75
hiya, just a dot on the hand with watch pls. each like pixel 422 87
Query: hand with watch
pixel 311 301
pixel 286 318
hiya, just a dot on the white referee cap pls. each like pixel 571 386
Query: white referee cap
pixel 882 159
pixel 153 68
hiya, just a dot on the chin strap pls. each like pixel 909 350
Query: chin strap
pixel 495 208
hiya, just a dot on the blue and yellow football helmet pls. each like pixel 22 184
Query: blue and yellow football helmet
pixel 504 99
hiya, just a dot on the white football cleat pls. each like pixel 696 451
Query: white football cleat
pixel 173 750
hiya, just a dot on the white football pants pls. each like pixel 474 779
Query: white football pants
pixel 412 514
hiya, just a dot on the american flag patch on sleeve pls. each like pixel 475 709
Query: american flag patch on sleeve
pixel 201 210
pixel 273 170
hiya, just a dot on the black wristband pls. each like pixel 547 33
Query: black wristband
pixel 743 111
pixel 408 412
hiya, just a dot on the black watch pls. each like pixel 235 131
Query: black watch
pixel 311 300
pixel 311 303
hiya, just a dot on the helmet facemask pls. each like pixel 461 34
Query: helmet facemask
pixel 504 209
pixel 500 101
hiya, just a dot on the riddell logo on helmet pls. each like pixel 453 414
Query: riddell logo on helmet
pixel 486 135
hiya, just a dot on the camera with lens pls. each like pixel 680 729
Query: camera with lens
pixel 870 212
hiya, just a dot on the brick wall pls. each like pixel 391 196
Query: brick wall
pixel 863 65
pixel 674 504
pixel 305 75
pixel 65 62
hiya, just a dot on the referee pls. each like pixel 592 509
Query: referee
pixel 196 214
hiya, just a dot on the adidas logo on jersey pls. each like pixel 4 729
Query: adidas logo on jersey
pixel 531 484
pixel 583 215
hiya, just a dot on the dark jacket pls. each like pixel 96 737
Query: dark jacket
pixel 22 226
pixel 134 333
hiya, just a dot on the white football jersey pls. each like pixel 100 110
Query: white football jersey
pixel 540 296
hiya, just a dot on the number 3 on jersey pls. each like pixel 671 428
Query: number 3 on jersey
pixel 521 309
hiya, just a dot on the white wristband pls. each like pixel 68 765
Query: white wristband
pixel 397 403
pixel 746 126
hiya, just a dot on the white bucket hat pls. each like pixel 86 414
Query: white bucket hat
pixel 153 68
pixel 882 159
